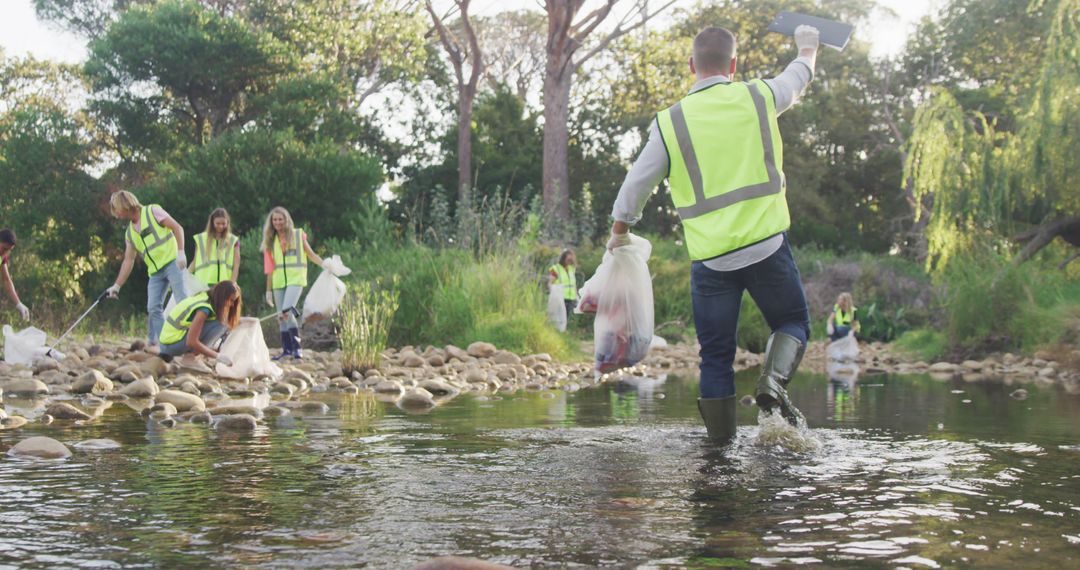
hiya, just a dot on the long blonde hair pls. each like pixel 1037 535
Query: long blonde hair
pixel 268 229
pixel 211 232
pixel 845 302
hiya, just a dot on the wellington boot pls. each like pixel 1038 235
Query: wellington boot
pixel 295 334
pixel 782 356
pixel 286 346
pixel 719 416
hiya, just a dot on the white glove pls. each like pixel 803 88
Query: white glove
pixel 269 298
pixel 24 312
pixel 618 240
pixel 113 292
pixel 806 37
pixel 223 359
pixel 181 260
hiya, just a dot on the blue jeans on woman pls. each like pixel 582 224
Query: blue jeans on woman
pixel 839 332
pixel 211 332
pixel 167 277
pixel 776 287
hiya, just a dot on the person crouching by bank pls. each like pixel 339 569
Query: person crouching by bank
pixel 843 319
pixel 285 258
pixel 159 239
pixel 562 273
pixel 196 324
pixel 7 243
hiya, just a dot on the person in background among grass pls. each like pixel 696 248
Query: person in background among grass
pixel 721 152
pixel 217 251
pixel 7 243
pixel 562 273
pixel 159 239
pixel 843 319
pixel 196 323
pixel 285 257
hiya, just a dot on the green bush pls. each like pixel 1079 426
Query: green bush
pixel 924 344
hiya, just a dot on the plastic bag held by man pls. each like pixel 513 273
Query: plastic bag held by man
pixel 247 350
pixel 326 294
pixel 25 346
pixel 556 309
pixel 620 293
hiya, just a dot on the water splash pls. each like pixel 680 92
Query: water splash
pixel 774 430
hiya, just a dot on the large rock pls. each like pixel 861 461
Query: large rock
pixel 236 422
pixel 93 382
pixel 417 397
pixel 506 357
pixel 183 401
pixel 481 350
pixel 141 388
pixel 438 387
pixel 97 445
pixel 413 361
pixel 64 411
pixel 455 563
pixel 40 447
pixel 153 366
pixel 25 388
pixel 455 352
pixel 942 367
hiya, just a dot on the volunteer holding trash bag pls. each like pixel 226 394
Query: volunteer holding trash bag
pixel 562 273
pixel 843 319
pixel 7 243
pixel 720 149
pixel 159 239
pixel 217 251
pixel 200 320
pixel 285 257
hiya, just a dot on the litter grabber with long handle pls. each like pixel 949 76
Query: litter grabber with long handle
pixel 76 323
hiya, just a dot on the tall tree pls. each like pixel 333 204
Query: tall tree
pixel 567 50
pixel 463 49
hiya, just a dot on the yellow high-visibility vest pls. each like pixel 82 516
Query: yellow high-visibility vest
pixel 154 241
pixel 211 266
pixel 290 266
pixel 180 317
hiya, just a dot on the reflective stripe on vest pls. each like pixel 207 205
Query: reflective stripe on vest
pixel 290 266
pixel 179 319
pixel 568 279
pixel 210 267
pixel 152 241
pixel 726 159
pixel 842 319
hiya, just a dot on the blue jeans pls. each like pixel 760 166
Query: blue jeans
pixel 776 288
pixel 839 332
pixel 286 298
pixel 167 277
pixel 211 331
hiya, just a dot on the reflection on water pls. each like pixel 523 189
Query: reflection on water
pixel 910 471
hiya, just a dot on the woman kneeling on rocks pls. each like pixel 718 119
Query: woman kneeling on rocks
pixel 199 321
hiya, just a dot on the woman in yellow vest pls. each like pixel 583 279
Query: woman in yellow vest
pixel 159 239
pixel 197 322
pixel 217 251
pixel 285 257
pixel 562 273
pixel 843 319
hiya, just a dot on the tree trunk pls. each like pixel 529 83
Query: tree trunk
pixel 1039 237
pixel 464 148
pixel 557 141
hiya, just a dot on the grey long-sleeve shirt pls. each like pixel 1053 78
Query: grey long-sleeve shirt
pixel 651 166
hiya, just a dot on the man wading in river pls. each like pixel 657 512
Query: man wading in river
pixel 720 149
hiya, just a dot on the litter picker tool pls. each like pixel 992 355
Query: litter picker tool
pixel 76 323
pixel 833 34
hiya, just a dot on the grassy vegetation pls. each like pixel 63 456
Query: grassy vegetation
pixel 364 324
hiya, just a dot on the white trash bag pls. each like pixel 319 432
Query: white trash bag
pixel 620 293
pixel 25 346
pixel 844 350
pixel 556 309
pixel 326 294
pixel 248 351
pixel 192 285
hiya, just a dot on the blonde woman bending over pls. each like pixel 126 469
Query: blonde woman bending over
pixel 285 257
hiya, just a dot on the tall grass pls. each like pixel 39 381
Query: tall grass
pixel 364 324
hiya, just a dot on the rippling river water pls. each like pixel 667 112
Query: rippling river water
pixel 912 472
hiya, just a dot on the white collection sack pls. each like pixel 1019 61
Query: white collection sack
pixel 25 346
pixel 844 350
pixel 620 293
pixel 192 285
pixel 247 349
pixel 326 294
pixel 556 309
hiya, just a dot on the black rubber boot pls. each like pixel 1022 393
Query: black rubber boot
pixel 286 346
pixel 295 334
pixel 719 416
pixel 783 353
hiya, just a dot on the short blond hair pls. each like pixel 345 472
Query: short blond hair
pixel 123 202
